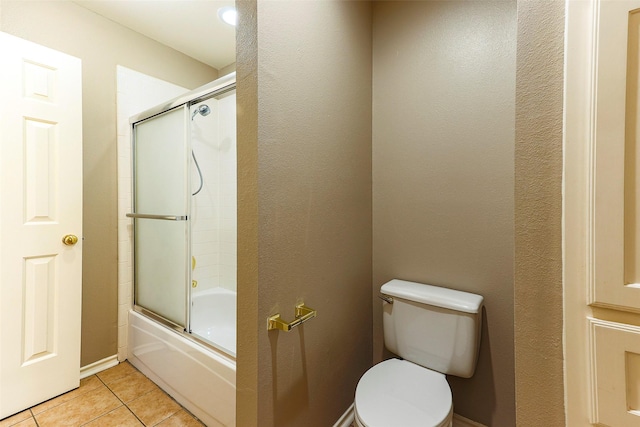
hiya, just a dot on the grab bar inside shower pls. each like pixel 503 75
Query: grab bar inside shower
pixel 164 217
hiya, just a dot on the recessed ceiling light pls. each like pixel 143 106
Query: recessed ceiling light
pixel 229 15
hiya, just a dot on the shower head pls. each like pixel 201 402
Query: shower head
pixel 203 110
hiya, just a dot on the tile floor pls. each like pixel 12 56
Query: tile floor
pixel 120 396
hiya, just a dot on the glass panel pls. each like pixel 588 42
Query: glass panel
pixel 160 183
pixel 160 254
pixel 161 164
pixel 213 222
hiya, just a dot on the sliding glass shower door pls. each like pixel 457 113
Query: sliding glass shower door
pixel 161 208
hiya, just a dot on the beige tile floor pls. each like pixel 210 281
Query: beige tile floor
pixel 120 396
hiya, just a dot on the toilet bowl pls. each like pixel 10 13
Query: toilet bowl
pixel 436 332
pixel 400 393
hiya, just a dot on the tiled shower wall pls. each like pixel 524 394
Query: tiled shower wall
pixel 136 92
pixel 227 238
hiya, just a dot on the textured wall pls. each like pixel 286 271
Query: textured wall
pixel 443 144
pixel 538 214
pixel 101 45
pixel 249 325
pixel 313 208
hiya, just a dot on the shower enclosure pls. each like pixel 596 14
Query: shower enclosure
pixel 184 227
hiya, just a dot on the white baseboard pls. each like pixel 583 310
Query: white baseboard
pixel 99 366
pixel 346 419
pixel 460 421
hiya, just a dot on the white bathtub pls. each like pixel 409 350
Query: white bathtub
pixel 213 318
pixel 201 379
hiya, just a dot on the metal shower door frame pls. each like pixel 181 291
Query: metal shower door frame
pixel 213 89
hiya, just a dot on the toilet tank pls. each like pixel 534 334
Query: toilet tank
pixel 434 327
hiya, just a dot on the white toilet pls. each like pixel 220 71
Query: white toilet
pixel 436 331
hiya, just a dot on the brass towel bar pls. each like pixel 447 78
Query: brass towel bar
pixel 303 313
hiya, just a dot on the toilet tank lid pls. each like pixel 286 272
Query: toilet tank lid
pixel 433 295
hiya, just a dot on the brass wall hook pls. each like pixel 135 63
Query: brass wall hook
pixel 303 313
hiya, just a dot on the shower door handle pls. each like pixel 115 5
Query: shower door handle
pixel 163 217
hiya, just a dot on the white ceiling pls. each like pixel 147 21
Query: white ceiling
pixel 190 26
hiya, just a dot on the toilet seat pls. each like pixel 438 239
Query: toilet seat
pixel 400 393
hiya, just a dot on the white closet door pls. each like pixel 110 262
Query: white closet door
pixel 602 213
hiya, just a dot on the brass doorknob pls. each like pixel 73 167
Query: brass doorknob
pixel 70 239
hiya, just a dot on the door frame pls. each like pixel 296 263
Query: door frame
pixel 578 145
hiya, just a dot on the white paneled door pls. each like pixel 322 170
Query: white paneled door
pixel 40 223
pixel 602 213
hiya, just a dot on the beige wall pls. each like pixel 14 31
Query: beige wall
pixel 313 208
pixel 249 325
pixel 101 45
pixel 525 201
pixel 443 144
pixel 538 214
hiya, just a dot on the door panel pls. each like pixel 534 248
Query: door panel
pixel 40 202
pixel 615 228
pixel 602 213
